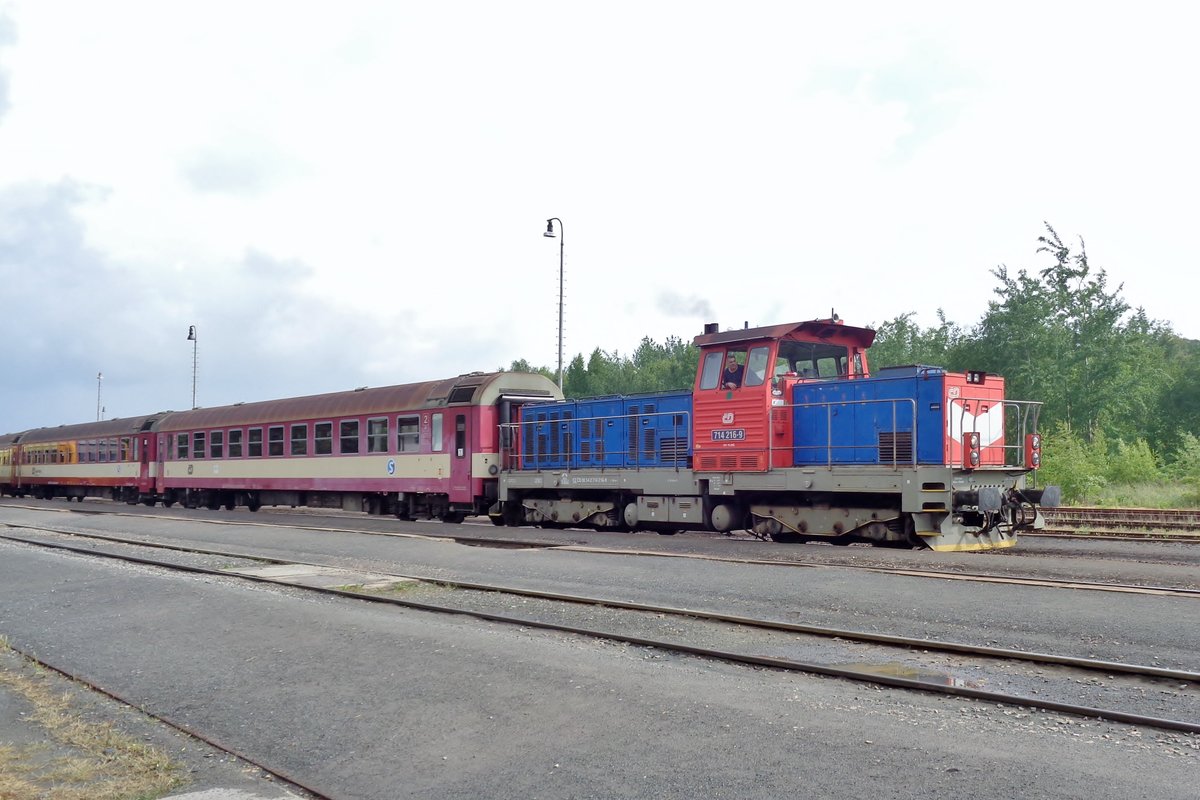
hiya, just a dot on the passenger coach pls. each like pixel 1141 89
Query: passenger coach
pixel 422 449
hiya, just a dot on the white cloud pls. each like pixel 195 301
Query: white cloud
pixel 357 197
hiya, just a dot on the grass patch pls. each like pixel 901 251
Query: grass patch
pixel 1163 494
pixel 83 760
pixel 404 587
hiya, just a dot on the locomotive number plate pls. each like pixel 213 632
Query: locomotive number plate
pixel 729 435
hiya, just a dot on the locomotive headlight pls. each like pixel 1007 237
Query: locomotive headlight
pixel 971 456
pixel 1033 451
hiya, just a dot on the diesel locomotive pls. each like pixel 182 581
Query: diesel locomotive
pixel 785 433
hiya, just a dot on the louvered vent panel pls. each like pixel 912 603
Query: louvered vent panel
pixel 895 447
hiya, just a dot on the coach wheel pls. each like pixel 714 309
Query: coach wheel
pixel 147 500
pixel 453 517
pixel 252 502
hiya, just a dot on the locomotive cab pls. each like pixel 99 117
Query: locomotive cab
pixel 744 380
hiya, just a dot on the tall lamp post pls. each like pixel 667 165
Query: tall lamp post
pixel 99 377
pixel 562 241
pixel 193 339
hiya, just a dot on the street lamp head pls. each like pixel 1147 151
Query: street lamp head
pixel 191 333
pixel 549 234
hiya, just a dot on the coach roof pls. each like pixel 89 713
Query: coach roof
pixel 476 388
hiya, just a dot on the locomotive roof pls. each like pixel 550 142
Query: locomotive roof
pixel 476 388
pixel 101 429
pixel 830 330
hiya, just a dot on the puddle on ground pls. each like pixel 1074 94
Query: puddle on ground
pixel 908 672
pixel 502 544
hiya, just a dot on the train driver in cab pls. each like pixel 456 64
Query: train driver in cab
pixel 731 378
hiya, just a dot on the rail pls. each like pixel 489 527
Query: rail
pixel 1115 520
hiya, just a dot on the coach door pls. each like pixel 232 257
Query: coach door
pixel 460 460
pixel 145 454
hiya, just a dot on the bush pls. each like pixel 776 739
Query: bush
pixel 1133 464
pixel 1079 467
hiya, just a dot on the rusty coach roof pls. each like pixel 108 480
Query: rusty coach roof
pixel 475 388
pixel 102 429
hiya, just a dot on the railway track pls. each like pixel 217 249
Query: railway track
pixel 541 543
pixel 1182 524
pixel 871 658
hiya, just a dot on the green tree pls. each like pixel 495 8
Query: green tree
pixel 1061 336
pixel 901 342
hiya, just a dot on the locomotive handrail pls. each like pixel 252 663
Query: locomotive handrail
pixel 1026 413
pixel 828 445
pixel 513 450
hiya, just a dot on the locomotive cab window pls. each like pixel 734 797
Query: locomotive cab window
pixel 711 373
pixel 756 366
pixel 812 360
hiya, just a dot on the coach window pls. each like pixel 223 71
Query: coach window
pixel 235 443
pixel 198 444
pixel 254 443
pixel 181 446
pixel 377 435
pixel 216 444
pixel 323 438
pixel 275 440
pixel 348 429
pixel 435 441
pixel 712 370
pixel 408 434
pixel 299 440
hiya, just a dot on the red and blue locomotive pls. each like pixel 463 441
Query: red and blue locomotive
pixel 787 434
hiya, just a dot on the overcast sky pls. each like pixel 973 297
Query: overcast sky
pixel 354 193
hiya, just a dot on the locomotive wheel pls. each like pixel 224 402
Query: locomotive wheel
pixel 453 517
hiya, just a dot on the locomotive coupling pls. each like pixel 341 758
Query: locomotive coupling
pixel 985 498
